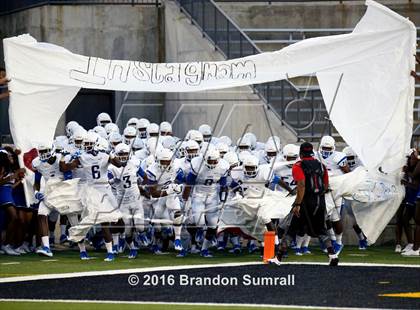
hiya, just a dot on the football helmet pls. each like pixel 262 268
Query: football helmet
pixel 78 137
pixel 100 131
pixel 212 157
pixel 232 159
pixel 102 119
pixel 138 144
pixel 89 142
pixel 206 132
pixel 165 129
pixel 222 148
pixel 226 140
pixel 142 127
pixel 71 128
pixel 252 139
pixel 114 139
pixel 45 152
pixel 270 150
pixel 122 152
pixel 153 130
pixel 244 144
pixel 130 133
pixel 132 122
pixel 196 136
pixel 250 166
pixel 60 144
pixel 192 149
pixel 327 146
pixel 351 156
pixel 111 127
pixel 164 158
pixel 290 152
pixel 101 145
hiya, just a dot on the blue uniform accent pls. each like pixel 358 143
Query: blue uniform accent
pixel 191 178
pixel 342 159
pixel 276 180
pixel 141 172
pixel 6 197
pixel 110 175
pixel 223 181
pixel 38 177
pixel 180 178
pixel 19 196
pixel 68 175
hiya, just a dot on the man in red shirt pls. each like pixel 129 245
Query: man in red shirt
pixel 309 209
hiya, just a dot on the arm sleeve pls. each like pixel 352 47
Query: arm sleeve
pixel 180 176
pixel 191 178
pixel 297 173
pixel 38 177
pixel 141 173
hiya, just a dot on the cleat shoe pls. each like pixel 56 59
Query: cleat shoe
pixel 178 245
pixel 121 245
pixel 9 250
pixel 363 244
pixel 115 249
pixel 293 244
pixel 398 248
pixel 199 236
pixel 132 254
pixel 252 248
pixel 408 247
pixel 143 239
pixel 194 249
pixel 156 250
pixel 110 257
pixel 221 246
pixel 333 259
pixel 183 253
pixel 411 253
pixel 298 252
pixel 236 249
pixel 274 261
pixel 206 254
pixel 26 248
pixel 323 247
pixel 63 239
pixel 84 255
pixel 20 250
pixel 337 248
pixel 44 251
pixel 305 250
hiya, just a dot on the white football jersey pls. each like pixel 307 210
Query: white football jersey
pixel 285 174
pixel 333 163
pixel 79 172
pixel 126 187
pixel 183 164
pixel 256 186
pixel 162 178
pixel 47 170
pixel 95 167
pixel 207 179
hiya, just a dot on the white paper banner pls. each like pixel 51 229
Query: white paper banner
pixel 372 111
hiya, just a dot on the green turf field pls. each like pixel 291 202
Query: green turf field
pixel 68 261
pixel 102 306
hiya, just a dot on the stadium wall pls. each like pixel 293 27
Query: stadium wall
pixel 106 31
pixel 184 42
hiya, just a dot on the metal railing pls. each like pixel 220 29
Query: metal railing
pixel 9 6
pixel 300 109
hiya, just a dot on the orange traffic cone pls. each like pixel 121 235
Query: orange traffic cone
pixel 269 240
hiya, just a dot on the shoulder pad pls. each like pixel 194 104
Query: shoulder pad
pixel 196 163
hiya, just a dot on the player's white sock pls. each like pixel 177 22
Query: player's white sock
pixel 221 237
pixel 299 241
pixel 108 246
pixel 339 238
pixel 63 229
pixel 82 247
pixel 45 241
pixel 276 240
pixel 115 238
pixel 177 231
pixel 235 240
pixel 331 234
pixel 306 241
pixel 206 244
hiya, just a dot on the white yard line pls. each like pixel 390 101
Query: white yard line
pixel 11 263
pixel 180 304
pixel 181 267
